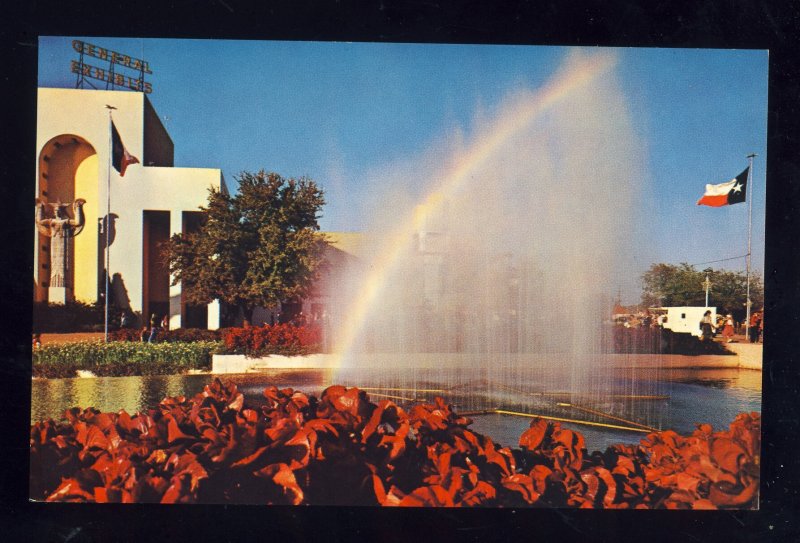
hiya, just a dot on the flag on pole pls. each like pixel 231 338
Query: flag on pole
pixel 120 157
pixel 725 194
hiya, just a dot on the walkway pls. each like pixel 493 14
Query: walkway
pixel 71 338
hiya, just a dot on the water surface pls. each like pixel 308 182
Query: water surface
pixel 684 398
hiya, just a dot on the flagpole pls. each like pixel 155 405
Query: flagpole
pixel 749 237
pixel 107 224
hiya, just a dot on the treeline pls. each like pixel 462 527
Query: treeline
pixel 669 285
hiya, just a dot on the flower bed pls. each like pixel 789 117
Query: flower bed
pixel 284 339
pixel 341 449
pixel 121 358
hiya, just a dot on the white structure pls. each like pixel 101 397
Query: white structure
pixel 686 319
pixel 150 203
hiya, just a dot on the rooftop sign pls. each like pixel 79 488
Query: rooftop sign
pixel 109 74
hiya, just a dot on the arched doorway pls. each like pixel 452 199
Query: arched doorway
pixel 68 169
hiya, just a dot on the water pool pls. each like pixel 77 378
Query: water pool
pixel 681 398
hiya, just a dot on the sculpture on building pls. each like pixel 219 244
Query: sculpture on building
pixel 53 221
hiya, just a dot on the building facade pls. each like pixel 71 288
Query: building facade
pixel 151 202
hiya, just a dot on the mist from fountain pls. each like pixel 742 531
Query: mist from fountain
pixel 493 259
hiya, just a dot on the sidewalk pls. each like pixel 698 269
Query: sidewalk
pixel 70 338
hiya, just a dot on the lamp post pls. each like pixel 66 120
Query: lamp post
pixel 707 284
pixel 107 225
pixel 749 233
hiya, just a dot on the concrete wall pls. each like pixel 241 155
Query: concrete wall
pixel 749 355
pixel 233 363
pixel 86 243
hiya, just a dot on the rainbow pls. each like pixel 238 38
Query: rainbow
pixel 578 71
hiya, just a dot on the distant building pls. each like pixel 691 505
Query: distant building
pixel 150 203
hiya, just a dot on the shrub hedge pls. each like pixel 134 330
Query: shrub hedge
pixel 285 339
pixel 169 336
pixel 122 358
pixel 253 341
pixel 70 317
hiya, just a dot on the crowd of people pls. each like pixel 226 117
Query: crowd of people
pixel 729 327
pixel 642 319
pixel 149 334
pixel 725 325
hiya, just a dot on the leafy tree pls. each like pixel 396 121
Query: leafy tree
pixel 671 285
pixel 256 248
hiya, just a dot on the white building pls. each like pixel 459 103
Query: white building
pixel 150 203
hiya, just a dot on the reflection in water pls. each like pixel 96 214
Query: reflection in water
pixel 691 397
pixel 716 377
pixel 51 397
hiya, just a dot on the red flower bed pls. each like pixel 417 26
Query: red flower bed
pixel 125 334
pixel 342 449
pixel 272 339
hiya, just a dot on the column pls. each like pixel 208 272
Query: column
pixel 214 315
pixel 175 298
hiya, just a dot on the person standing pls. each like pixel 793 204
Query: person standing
pixel 755 322
pixel 727 331
pixel 707 326
pixel 153 329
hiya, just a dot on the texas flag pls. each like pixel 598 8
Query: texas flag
pixel 120 157
pixel 725 194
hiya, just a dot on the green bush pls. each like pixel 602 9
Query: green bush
pixel 122 358
pixel 70 317
pixel 169 336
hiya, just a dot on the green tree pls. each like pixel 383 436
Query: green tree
pixel 256 248
pixel 671 285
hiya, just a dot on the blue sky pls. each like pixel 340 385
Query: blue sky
pixel 338 111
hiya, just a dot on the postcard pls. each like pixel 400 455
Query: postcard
pixel 394 274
